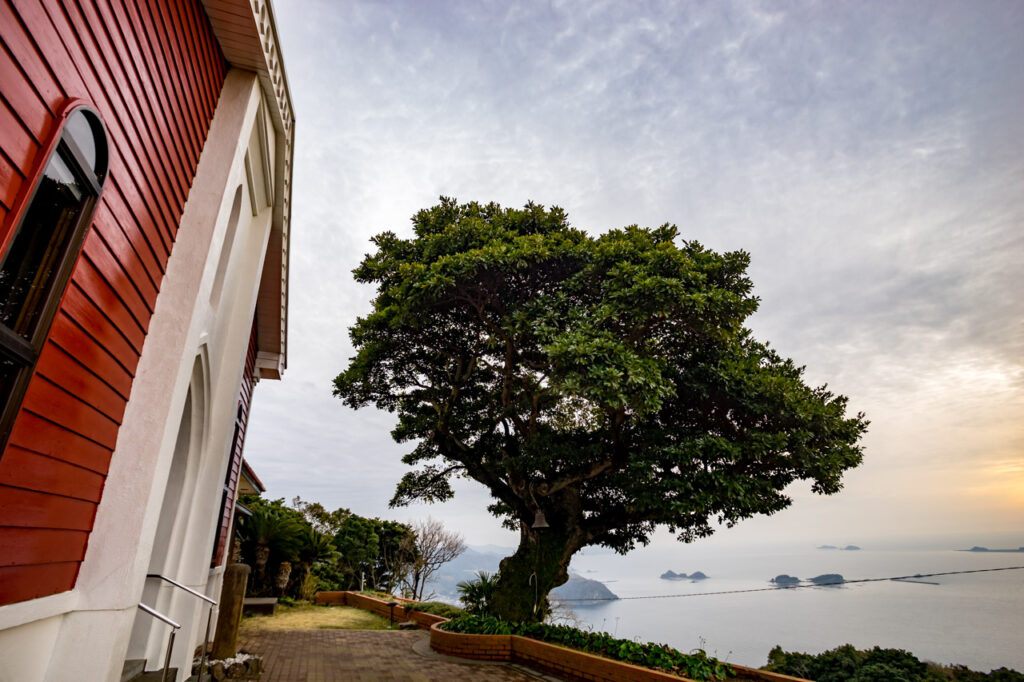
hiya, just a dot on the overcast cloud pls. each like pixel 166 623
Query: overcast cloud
pixel 868 155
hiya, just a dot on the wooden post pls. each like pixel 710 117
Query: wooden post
pixel 232 596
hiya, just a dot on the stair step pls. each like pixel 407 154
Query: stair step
pixel 132 669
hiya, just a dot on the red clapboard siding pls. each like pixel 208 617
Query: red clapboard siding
pixel 42 510
pixel 31 471
pixel 235 461
pixel 107 291
pixel 19 146
pixel 119 61
pixel 141 230
pixel 84 311
pixel 19 583
pixel 57 366
pixel 21 46
pixel 91 354
pixel 38 434
pixel 106 229
pixel 53 403
pixel 12 179
pixel 153 71
pixel 131 61
pixel 141 35
pixel 28 545
pixel 94 41
pixel 103 91
pixel 167 56
pixel 24 102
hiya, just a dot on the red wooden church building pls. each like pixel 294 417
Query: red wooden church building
pixel 145 167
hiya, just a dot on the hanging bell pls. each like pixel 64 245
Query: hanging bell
pixel 539 521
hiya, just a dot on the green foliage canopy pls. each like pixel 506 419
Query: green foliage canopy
pixel 848 664
pixel 607 381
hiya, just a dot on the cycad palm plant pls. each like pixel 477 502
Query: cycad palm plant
pixel 267 534
pixel 476 594
pixel 314 547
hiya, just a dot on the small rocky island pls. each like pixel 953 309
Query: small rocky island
pixel 784 580
pixel 828 579
pixel 986 549
pixel 672 575
pixel 823 579
pixel 848 548
pixel 579 589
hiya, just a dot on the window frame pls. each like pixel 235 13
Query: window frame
pixel 61 143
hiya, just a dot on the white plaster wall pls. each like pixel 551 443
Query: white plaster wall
pixel 85 635
pixel 21 649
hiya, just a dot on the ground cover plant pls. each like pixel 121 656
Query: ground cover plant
pixel 846 663
pixel 436 608
pixel 598 386
pixel 696 665
pixel 302 616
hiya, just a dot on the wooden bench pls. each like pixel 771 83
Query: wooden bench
pixel 259 606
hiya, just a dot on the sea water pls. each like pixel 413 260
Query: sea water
pixel 973 619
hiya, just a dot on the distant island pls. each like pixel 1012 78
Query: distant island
pixel 848 548
pixel 784 580
pixel 580 589
pixel 672 575
pixel 986 549
pixel 828 579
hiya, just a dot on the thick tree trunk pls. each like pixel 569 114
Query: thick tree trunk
pixel 539 565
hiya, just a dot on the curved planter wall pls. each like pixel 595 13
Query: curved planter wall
pixel 361 601
pixel 567 663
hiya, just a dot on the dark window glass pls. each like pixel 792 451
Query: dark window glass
pixel 36 267
pixel 33 261
pixel 9 369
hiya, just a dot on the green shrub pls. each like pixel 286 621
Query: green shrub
pixel 697 665
pixel 437 608
pixel 476 593
pixel 845 663
pixel 377 594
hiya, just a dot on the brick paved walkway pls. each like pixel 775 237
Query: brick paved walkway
pixel 366 655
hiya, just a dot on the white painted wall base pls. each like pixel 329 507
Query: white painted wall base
pixel 25 650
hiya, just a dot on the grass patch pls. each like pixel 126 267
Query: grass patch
pixel 313 617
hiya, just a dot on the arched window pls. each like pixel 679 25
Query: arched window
pixel 39 256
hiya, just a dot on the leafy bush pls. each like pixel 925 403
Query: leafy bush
pixel 377 594
pixel 477 593
pixel 845 663
pixel 437 608
pixel 329 578
pixel 696 666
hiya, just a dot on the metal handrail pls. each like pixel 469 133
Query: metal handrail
pixel 209 616
pixel 184 587
pixel 159 616
pixel 170 639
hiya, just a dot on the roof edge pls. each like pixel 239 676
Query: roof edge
pixel 246 31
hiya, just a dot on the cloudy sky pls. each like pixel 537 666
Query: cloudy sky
pixel 868 155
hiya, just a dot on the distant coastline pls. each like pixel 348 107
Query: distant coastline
pixel 1019 550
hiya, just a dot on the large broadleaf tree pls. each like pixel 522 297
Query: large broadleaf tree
pixel 602 385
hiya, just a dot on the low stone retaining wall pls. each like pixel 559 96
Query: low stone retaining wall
pixel 380 607
pixel 568 663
